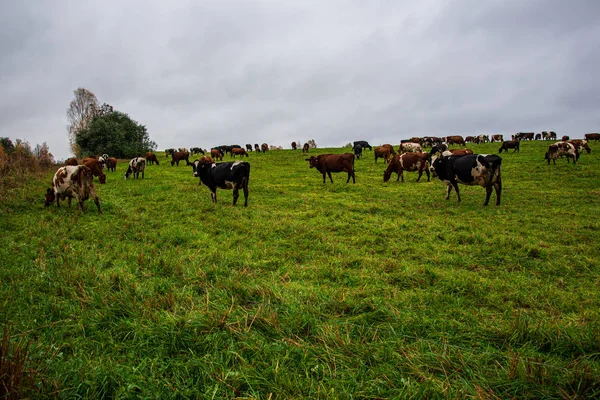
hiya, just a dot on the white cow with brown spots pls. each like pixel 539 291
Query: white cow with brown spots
pixel 72 182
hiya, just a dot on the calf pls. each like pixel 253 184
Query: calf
pixel 238 152
pixel 72 182
pixel 71 161
pixel 328 163
pixel 382 152
pixel 216 154
pixel 94 165
pixel 305 148
pixel 560 149
pixel 227 175
pixel 294 146
pixel 510 144
pixel 477 169
pixel 136 165
pixel 179 156
pixel 357 151
pixel 410 147
pixel 456 139
pixel 363 143
pixel 111 164
pixel 151 158
pixel 592 136
pixel 410 162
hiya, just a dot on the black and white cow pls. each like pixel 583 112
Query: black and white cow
pixel 136 165
pixel 225 175
pixel 477 169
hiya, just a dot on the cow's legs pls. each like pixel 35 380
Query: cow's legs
pixel 236 195
pixel 323 177
pixel 498 187
pixel 213 195
pixel 329 174
pixel 448 189
pixel 420 174
pixel 428 175
pixel 96 200
pixel 245 186
pixel 488 193
pixel 402 175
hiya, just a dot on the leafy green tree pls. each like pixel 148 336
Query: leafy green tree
pixel 7 145
pixel 114 133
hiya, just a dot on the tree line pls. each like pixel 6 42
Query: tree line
pixel 95 129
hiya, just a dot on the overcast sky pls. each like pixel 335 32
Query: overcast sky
pixel 205 73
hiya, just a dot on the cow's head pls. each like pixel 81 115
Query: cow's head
pixel 102 178
pixel 50 197
pixel 128 172
pixel 437 164
pixel 312 161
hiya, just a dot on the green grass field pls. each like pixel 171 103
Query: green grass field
pixel 314 290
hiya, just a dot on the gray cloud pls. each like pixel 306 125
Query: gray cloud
pixel 209 73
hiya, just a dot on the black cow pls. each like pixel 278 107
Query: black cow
pixel 248 147
pixel 363 143
pixel 256 148
pixel 196 150
pixel 510 144
pixel 357 151
pixel 225 175
pixel 477 169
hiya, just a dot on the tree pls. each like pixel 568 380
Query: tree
pixel 42 152
pixel 7 145
pixel 116 134
pixel 80 113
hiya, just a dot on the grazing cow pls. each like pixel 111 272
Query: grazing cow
pixel 256 147
pixel 538 136
pixel 238 152
pixel 136 165
pixel 382 152
pixel 305 148
pixel 179 156
pixel 227 175
pixel 94 165
pixel 195 150
pixel 592 136
pixel 410 147
pixel 549 135
pixel 72 182
pixel 389 146
pixel 71 161
pixel 248 147
pixel 364 144
pixel 510 144
pixel 357 151
pixel 581 144
pixel 216 154
pixel 525 135
pixel 476 169
pixel 151 158
pixel 497 138
pixel 456 139
pixel 328 163
pixel 560 149
pixel 294 146
pixel 111 164
pixel 483 139
pixel 169 152
pixel 264 147
pixel 470 139
pixel 410 162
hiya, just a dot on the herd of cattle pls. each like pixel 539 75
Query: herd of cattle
pixel 452 166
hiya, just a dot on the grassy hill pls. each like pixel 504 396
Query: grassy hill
pixel 372 290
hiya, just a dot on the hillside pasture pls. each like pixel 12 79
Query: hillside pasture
pixel 366 290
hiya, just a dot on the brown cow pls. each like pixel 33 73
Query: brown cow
pixel 151 158
pixel 456 139
pixel 216 154
pixel 72 182
pixel 328 163
pixel 560 149
pixel 264 147
pixel 592 136
pixel 469 139
pixel 239 152
pixel 392 151
pixel 510 144
pixel 581 144
pixel 382 152
pixel 565 138
pixel 294 146
pixel 305 148
pixel 71 161
pixel 179 156
pixel 94 165
pixel 497 138
pixel 410 162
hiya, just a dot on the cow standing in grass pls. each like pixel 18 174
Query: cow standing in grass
pixel 227 175
pixel 94 165
pixel 328 163
pixel 136 165
pixel 410 162
pixel 72 182
pixel 151 158
pixel 510 144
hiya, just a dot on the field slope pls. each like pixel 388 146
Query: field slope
pixel 372 290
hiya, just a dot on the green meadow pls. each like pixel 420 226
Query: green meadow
pixel 324 291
